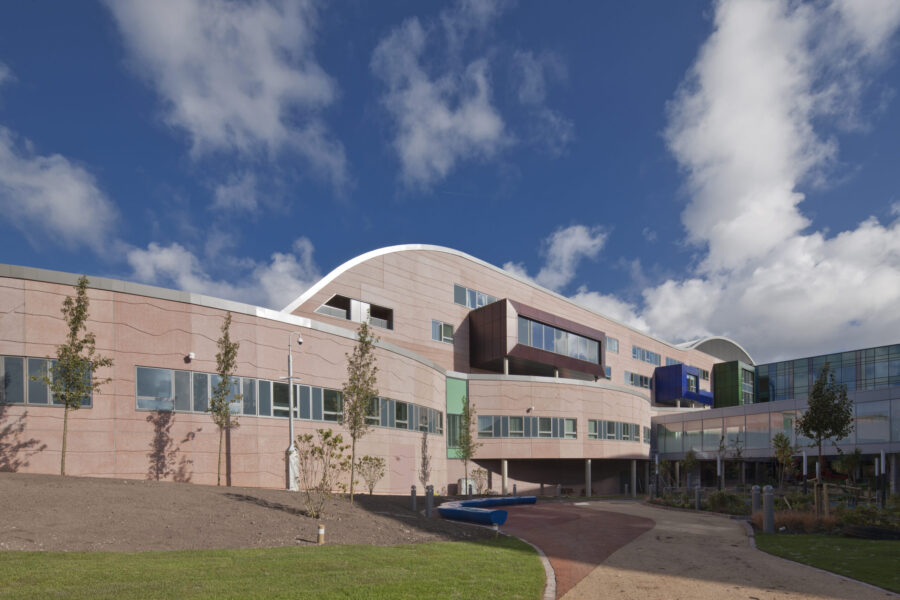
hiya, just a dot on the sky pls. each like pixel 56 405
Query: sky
pixel 689 168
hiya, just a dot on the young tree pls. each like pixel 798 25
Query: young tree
pixel 848 464
pixel 322 463
pixel 371 468
pixel 784 454
pixel 359 391
pixel 689 463
pixel 220 402
pixel 829 415
pixel 481 478
pixel 425 462
pixel 71 377
pixel 468 444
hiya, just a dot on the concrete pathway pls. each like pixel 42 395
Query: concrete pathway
pixel 621 549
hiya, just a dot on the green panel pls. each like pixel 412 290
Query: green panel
pixel 457 389
pixel 453 453
pixel 727 384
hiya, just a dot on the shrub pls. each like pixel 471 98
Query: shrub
pixel 796 500
pixel 481 477
pixel 869 516
pixel 794 521
pixel 725 502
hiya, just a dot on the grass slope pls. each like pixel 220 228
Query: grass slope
pixel 502 568
pixel 872 561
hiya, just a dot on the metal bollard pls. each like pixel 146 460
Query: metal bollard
pixel 514 490
pixel 697 504
pixel 768 510
pixel 652 490
pixel 320 538
pixel 413 494
pixel 429 500
pixel 559 490
pixel 626 489
pixel 754 499
pixel 470 490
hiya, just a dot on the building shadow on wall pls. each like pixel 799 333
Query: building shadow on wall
pixel 164 452
pixel 15 450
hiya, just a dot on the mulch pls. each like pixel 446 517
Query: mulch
pixel 49 512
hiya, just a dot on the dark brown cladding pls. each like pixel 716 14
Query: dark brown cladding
pixel 488 337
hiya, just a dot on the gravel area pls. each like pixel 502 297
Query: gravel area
pixel 48 512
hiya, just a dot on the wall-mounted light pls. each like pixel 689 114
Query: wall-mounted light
pixel 191 356
pixel 529 409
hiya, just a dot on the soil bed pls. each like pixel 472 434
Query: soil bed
pixel 48 512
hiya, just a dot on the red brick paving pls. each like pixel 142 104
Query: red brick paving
pixel 575 539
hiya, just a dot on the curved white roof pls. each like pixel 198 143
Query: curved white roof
pixel 694 345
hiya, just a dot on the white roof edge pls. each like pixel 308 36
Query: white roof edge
pixel 317 287
pixel 692 345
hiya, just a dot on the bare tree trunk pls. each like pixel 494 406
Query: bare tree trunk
pixel 219 465
pixel 352 468
pixel 62 462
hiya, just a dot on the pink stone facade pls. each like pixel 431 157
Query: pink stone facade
pixel 140 326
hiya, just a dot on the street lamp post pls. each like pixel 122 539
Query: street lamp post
pixel 292 462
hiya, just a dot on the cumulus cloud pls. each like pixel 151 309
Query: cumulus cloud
pixel 611 306
pixel 534 73
pixel 6 74
pixel 440 119
pixel 272 284
pixel 237 194
pixel 52 198
pixel 236 76
pixel 562 251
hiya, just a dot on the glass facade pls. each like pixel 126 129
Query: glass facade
pixel 471 298
pixel 527 427
pixel 537 335
pixel 616 430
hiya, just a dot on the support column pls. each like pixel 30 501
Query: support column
pixel 633 478
pixel 556 373
pixel 587 477
pixel 504 468
pixel 895 474
pixel 647 477
pixel 677 474
pixel 506 365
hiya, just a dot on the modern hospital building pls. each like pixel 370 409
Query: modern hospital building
pixel 563 395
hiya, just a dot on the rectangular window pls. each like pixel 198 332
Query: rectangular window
pixel 471 298
pixel 332 406
pixel 646 438
pixel 608 371
pixel 638 380
pixel 516 427
pixel 249 396
pixel 558 341
pixel 280 399
pixel 459 294
pixel 672 361
pixel 571 429
pixel 545 427
pixel 612 345
pixel 626 431
pixel 453 430
pixel 611 430
pixel 316 403
pixel 639 353
pixel 304 401
pixel 154 388
pixel 373 412
pixel 265 398
pixel 485 427
pixel 441 332
pixel 691 383
pixel 201 392
pixel 592 429
pixel 12 380
pixel 704 374
pixel 183 391
pixel 401 415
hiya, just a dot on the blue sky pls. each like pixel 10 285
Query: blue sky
pixel 691 168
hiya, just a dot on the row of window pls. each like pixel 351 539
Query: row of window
pixel 638 380
pixel 615 430
pixel 187 391
pixel 17 386
pixel 639 353
pixel 527 427
pixel 441 332
pixel 357 311
pixel 558 341
pixel 471 298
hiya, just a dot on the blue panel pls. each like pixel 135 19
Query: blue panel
pixel 671 385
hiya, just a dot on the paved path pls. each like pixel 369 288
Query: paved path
pixel 575 539
pixel 620 549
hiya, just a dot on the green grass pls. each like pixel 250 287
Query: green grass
pixel 501 568
pixel 872 561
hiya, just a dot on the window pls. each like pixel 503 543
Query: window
pixel 672 361
pixel 280 399
pixel 373 412
pixel 332 406
pixel 453 422
pixel 442 332
pixel 544 427
pixel 646 438
pixel 645 355
pixel 401 415
pixel 342 307
pixel 485 427
pixel 12 380
pixel 592 429
pixel 537 335
pixel 691 381
pixel 704 374
pixel 154 389
pixel 626 432
pixel 571 429
pixel 265 397
pixel 611 430
pixel 471 298
pixel 638 380
pixel 612 345
pixel 516 427
pixel 608 371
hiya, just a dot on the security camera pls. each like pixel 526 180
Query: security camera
pixel 299 341
pixel 191 356
pixel 530 408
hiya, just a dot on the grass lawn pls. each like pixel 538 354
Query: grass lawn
pixel 872 561
pixel 501 568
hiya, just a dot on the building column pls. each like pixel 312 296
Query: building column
pixel 504 468
pixel 506 365
pixel 633 478
pixel 677 473
pixel 556 373
pixel 587 477
pixel 895 474
pixel 647 477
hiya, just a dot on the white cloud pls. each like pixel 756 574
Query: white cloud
pixel 52 198
pixel 440 120
pixel 236 76
pixel 271 284
pixel 611 306
pixel 562 252
pixel 546 126
pixel 6 74
pixel 237 194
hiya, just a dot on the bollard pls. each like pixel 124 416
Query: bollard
pixel 429 500
pixel 514 490
pixel 413 494
pixel 542 489
pixel 652 490
pixel 768 510
pixel 626 490
pixel 697 504
pixel 496 530
pixel 320 538
pixel 559 490
pixel 754 499
pixel 470 490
